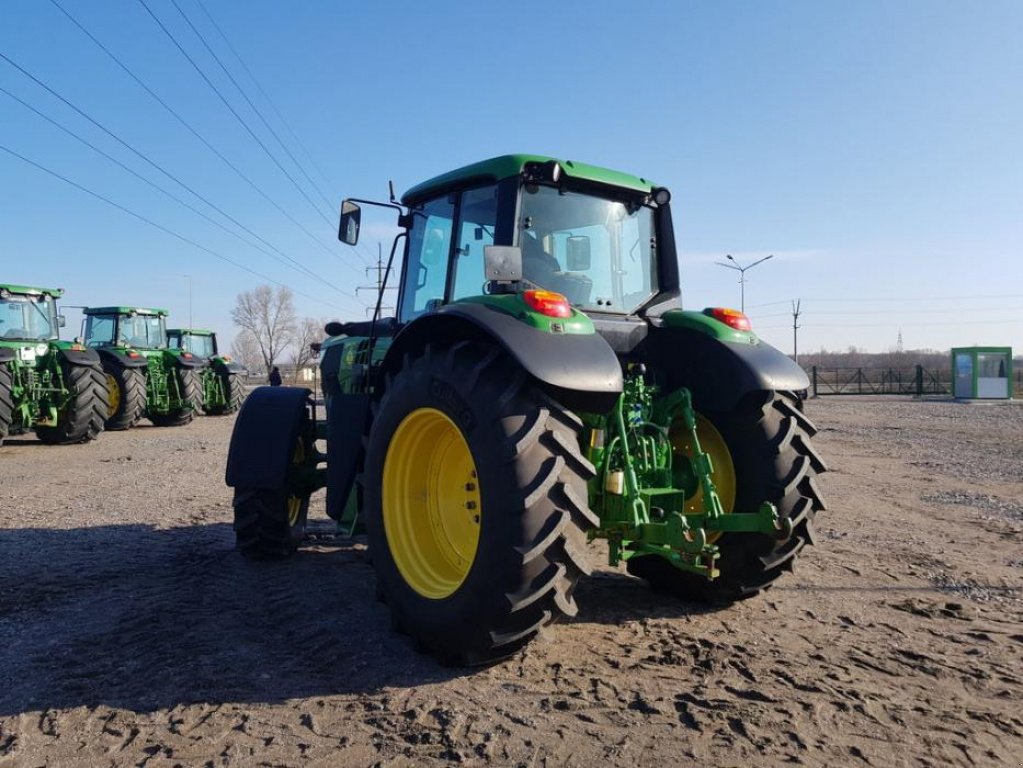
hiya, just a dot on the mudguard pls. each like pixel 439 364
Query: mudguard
pixel 719 373
pixel 347 416
pixel 268 424
pixel 6 354
pixel 191 361
pixel 230 366
pixel 582 369
pixel 123 359
pixel 80 356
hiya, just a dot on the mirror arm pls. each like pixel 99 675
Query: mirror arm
pixel 380 295
pixel 404 219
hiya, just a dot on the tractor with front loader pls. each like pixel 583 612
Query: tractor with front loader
pixel 222 388
pixel 53 387
pixel 144 376
pixel 541 387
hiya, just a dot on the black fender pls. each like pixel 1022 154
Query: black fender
pixel 187 360
pixel 720 373
pixel 122 358
pixel 581 371
pixel 268 424
pixel 82 357
pixel 6 354
pixel 228 366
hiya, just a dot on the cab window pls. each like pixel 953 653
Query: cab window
pixel 477 219
pixel 426 268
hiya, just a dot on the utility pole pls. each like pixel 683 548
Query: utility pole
pixel 380 270
pixel 795 329
pixel 742 274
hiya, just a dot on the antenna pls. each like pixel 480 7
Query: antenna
pixel 390 186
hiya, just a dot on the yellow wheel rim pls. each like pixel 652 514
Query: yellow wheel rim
pixel 723 475
pixel 295 502
pixel 431 503
pixel 113 396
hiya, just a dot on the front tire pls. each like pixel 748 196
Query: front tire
pixel 270 525
pixel 83 418
pixel 769 441
pixel 476 504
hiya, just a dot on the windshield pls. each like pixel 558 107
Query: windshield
pixel 144 331
pixel 28 317
pixel 599 253
pixel 200 346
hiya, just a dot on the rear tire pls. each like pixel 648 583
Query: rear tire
pixel 234 394
pixel 126 395
pixel 84 417
pixel 190 388
pixel 472 589
pixel 770 443
pixel 6 401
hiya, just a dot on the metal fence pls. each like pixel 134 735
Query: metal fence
pixel 916 380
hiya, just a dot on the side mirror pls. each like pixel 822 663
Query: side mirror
pixel 578 259
pixel 61 321
pixel 351 220
pixel 502 263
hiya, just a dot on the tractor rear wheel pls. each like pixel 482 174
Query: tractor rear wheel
pixel 762 452
pixel 476 505
pixel 6 401
pixel 234 394
pixel 126 395
pixel 190 390
pixel 271 524
pixel 83 417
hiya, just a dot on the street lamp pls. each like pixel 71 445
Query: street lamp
pixel 742 274
pixel 189 278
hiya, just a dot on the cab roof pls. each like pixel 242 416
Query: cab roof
pixel 190 331
pixel 497 168
pixel 29 290
pixel 124 311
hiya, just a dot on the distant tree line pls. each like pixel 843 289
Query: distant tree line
pixel 270 331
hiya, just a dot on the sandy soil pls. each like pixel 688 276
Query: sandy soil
pixel 132 633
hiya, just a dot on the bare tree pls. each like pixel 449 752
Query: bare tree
pixel 245 350
pixel 309 330
pixel 269 316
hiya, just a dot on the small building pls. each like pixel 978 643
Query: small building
pixel 983 373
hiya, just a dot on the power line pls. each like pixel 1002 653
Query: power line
pixel 255 109
pixel 232 110
pixel 143 156
pixel 902 299
pixel 202 139
pixel 266 96
pixel 152 223
pixel 171 195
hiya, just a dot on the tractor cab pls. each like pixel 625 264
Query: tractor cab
pixel 29 314
pixel 199 342
pixel 135 327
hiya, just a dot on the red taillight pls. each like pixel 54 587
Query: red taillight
pixel 132 353
pixel 548 303
pixel 733 318
pixel 187 355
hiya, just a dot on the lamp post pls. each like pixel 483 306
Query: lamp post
pixel 189 278
pixel 742 274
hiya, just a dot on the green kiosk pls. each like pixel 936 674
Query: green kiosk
pixel 982 373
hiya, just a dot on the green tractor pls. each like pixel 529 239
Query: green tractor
pixel 54 387
pixel 541 387
pixel 144 376
pixel 222 388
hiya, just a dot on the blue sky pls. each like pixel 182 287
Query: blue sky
pixel 876 149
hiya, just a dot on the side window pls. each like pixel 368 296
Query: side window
pixel 426 268
pixel 99 330
pixel 477 219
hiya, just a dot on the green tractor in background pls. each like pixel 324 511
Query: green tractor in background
pixel 54 387
pixel 144 376
pixel 222 388
pixel 540 387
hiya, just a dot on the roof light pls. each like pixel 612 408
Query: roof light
pixel 548 303
pixel 662 196
pixel 733 318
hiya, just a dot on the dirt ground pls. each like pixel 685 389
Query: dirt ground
pixel 131 633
